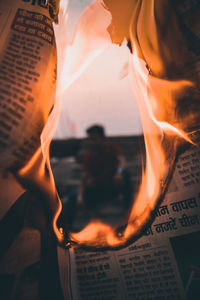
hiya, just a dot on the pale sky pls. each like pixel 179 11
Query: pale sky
pixel 102 94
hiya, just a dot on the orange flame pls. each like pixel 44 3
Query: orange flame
pixel 90 39
pixel 158 85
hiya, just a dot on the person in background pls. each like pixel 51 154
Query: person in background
pixel 104 179
pixel 103 171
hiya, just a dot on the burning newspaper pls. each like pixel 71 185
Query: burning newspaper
pixel 164 263
pixel 164 39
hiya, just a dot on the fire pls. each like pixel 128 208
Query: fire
pixel 168 102
pixel 90 39
pixel 159 85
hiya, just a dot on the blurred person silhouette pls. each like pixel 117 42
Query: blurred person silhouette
pixel 103 170
pixel 104 179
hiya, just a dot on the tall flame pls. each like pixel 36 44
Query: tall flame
pixel 159 86
pixel 90 39
pixel 161 89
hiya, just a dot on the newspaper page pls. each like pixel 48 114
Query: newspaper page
pixel 165 262
pixel 162 264
pixel 27 78
pixel 27 89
